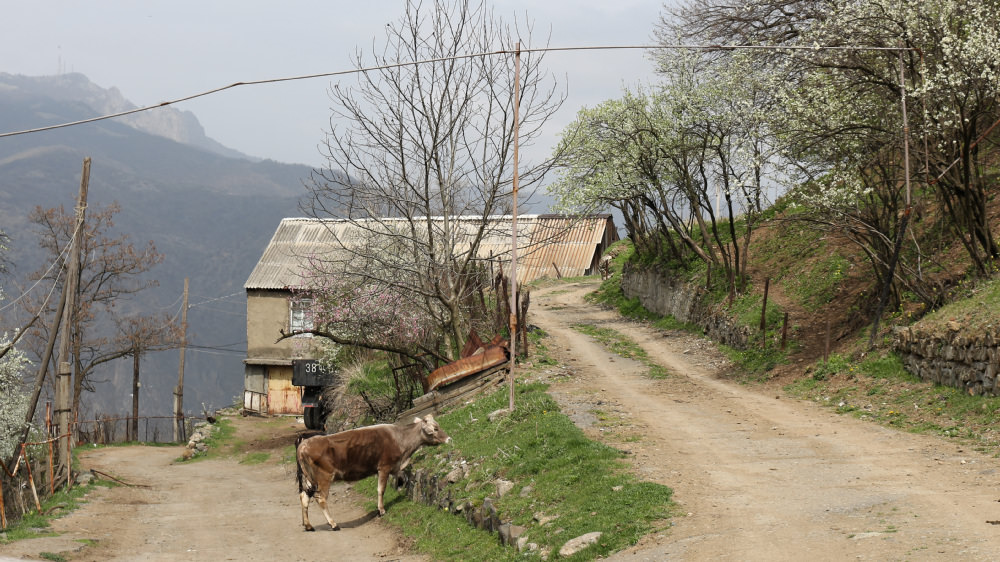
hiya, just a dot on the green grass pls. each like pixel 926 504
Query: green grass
pixel 288 455
pixel 817 286
pixel 537 446
pixel 880 390
pixel 540 351
pixel 221 442
pixel 623 346
pixel 980 306
pixel 755 363
pixel 257 457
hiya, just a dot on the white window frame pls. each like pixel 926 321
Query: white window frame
pixel 298 316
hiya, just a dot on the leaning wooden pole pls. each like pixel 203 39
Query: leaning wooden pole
pixel 64 372
pixel 513 229
pixel 36 392
pixel 179 390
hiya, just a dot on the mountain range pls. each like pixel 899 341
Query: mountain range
pixel 209 209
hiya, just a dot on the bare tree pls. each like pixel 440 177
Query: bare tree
pixel 138 335
pixel 112 270
pixel 420 153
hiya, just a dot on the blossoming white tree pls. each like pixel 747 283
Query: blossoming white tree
pixel 840 111
pixel 14 403
pixel 682 163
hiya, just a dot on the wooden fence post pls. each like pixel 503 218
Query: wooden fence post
pixel 784 332
pixel 763 308
pixel 826 345
pixel 48 433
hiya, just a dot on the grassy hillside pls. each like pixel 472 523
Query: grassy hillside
pixel 824 284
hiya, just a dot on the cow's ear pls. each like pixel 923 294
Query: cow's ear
pixel 417 420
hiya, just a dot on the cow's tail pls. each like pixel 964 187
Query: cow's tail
pixel 308 487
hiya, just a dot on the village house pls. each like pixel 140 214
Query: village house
pixel 548 246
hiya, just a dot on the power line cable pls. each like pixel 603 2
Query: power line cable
pixel 451 58
pixel 173 304
pixel 215 299
pixel 221 345
pixel 58 260
pixel 211 351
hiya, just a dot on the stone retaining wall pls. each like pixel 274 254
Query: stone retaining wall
pixel 426 487
pixel 666 295
pixel 958 358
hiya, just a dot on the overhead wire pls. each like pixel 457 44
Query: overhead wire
pixel 58 260
pixel 190 306
pixel 445 59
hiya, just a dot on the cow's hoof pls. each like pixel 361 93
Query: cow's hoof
pixel 309 528
pixel 335 528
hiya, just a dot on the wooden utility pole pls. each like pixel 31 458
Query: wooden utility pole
pixel 513 230
pixel 46 358
pixel 64 372
pixel 179 433
pixel 135 393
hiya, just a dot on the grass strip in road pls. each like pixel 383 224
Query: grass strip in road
pixel 623 346
pixel 557 472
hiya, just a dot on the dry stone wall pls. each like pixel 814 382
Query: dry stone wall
pixel 959 358
pixel 664 294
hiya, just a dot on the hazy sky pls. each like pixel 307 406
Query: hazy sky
pixel 157 51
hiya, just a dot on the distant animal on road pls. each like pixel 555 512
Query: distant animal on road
pixel 355 454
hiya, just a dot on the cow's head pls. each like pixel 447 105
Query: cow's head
pixel 431 431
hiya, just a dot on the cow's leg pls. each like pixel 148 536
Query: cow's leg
pixel 321 496
pixel 383 478
pixel 304 499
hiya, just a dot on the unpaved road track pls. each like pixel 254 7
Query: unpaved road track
pixel 762 477
pixel 757 477
pixel 209 510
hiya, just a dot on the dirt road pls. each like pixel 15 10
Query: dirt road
pixel 763 477
pixel 757 476
pixel 210 510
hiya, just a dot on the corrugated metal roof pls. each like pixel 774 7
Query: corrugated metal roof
pixel 545 242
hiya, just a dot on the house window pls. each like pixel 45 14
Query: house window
pixel 300 318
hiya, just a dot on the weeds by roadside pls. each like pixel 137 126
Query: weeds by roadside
pixel 582 485
pixel 63 502
pixel 878 389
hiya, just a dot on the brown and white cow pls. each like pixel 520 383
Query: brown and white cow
pixel 358 453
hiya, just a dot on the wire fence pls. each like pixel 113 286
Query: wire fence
pixel 30 477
